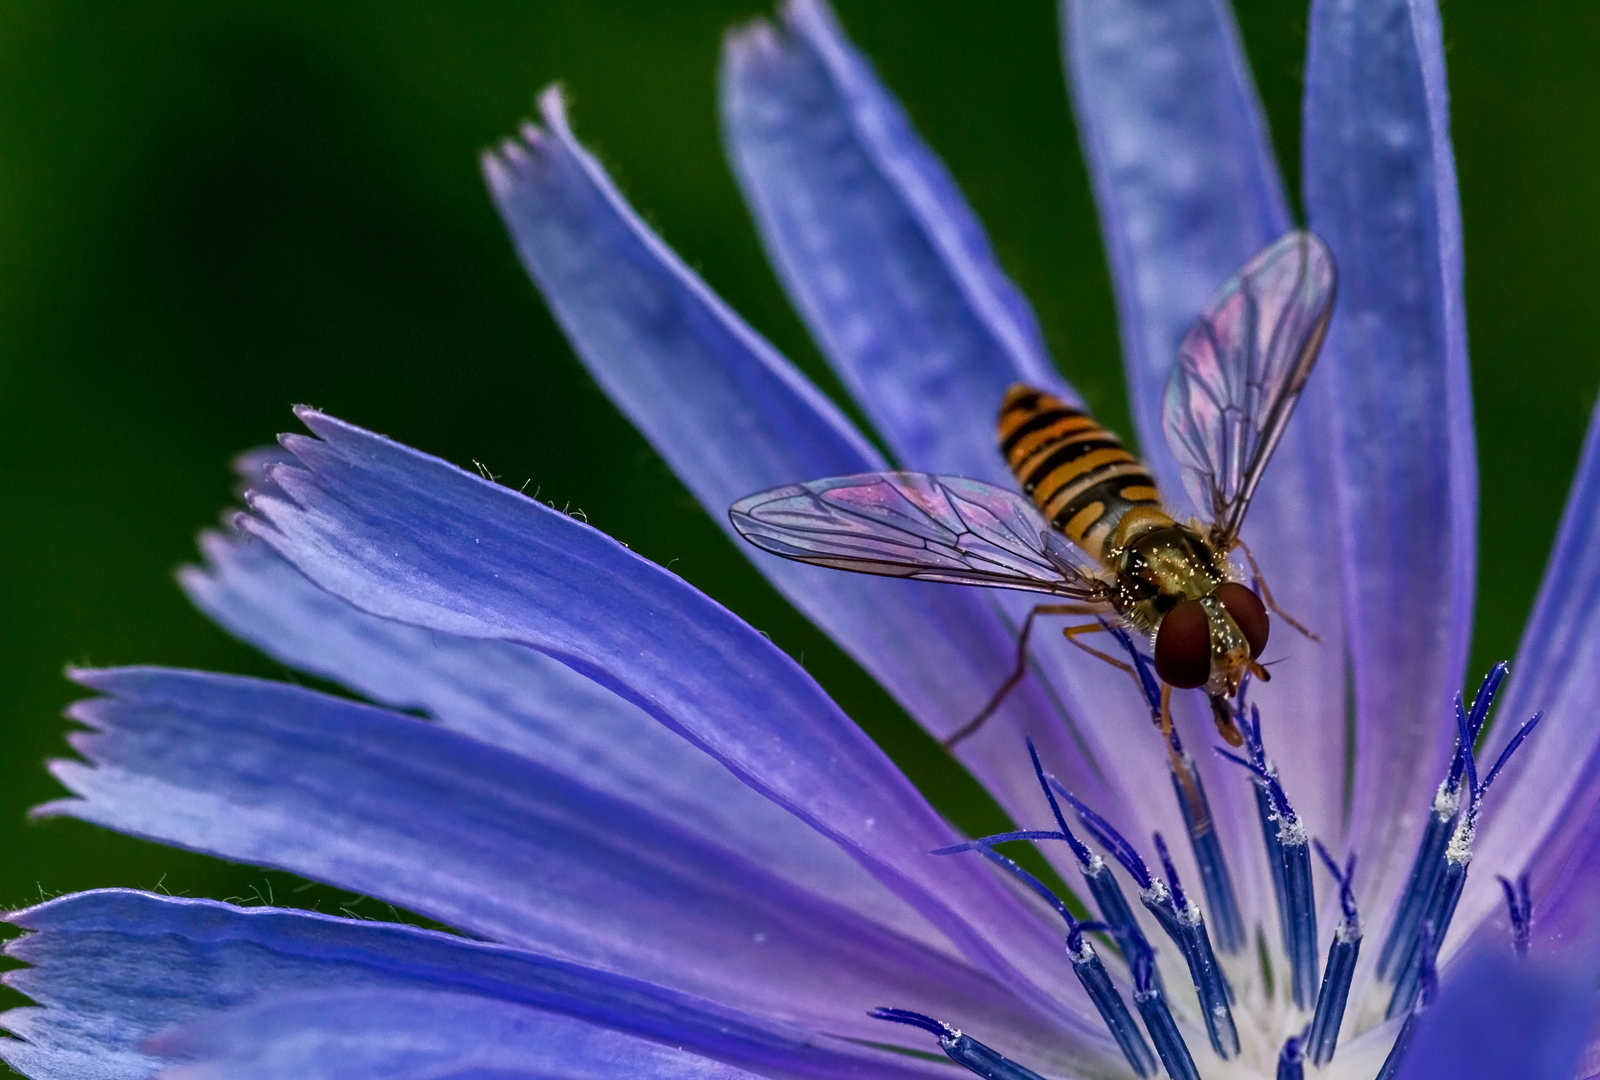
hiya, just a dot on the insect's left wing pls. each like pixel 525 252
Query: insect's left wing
pixel 1240 372
pixel 920 526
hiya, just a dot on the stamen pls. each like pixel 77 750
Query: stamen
pixel 1452 877
pixel 1400 944
pixel 1291 1062
pixel 961 1049
pixel 1210 984
pixel 1299 912
pixel 1186 928
pixel 1215 879
pixel 1266 814
pixel 1323 1034
pixel 1103 885
pixel 1091 972
pixel 1519 902
pixel 1428 986
pixel 1086 964
pixel 1152 1006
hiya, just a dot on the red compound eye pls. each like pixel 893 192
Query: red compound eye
pixel 1183 647
pixel 1245 608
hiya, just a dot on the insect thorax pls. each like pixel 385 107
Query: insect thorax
pixel 1160 565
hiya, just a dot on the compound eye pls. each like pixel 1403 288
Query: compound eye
pixel 1245 608
pixel 1183 647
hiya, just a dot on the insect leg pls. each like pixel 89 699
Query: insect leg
pixel 1266 593
pixel 1021 667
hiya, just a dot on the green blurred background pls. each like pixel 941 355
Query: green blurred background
pixel 209 212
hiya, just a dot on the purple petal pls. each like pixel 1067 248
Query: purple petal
pixel 1381 190
pixel 1188 191
pixel 389 1034
pixel 393 807
pixel 1182 173
pixel 732 417
pixel 114 967
pixel 408 537
pixel 529 704
pixel 1499 1017
pixel 1540 814
pixel 875 244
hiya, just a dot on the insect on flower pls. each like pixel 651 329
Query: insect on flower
pixel 1095 532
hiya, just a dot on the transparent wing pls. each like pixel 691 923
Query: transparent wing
pixel 917 525
pixel 1240 371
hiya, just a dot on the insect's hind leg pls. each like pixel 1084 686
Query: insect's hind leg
pixel 1266 594
pixel 1020 668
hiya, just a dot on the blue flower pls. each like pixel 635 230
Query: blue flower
pixel 666 851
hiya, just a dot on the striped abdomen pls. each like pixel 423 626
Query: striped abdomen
pixel 1078 473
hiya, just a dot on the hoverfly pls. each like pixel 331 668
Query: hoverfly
pixel 1091 528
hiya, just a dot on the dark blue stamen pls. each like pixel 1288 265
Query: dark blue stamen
pixel 1428 986
pixel 1323 1034
pixel 1107 837
pixel 1103 886
pixel 1265 813
pixel 1425 869
pixel 959 1048
pixel 1291 1062
pixel 1299 911
pixel 1179 900
pixel 999 838
pixel 1079 848
pixel 1452 875
pixel 1408 989
pixel 1090 971
pixel 1472 722
pixel 1215 879
pixel 1519 903
pixel 1181 919
pixel 1152 1006
pixel 1086 965
pixel 1400 944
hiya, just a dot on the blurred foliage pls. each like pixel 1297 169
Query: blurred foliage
pixel 209 212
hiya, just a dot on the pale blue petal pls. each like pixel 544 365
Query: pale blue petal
pixel 731 417
pixel 876 245
pixel 1497 1017
pixel 529 704
pixel 1381 190
pixel 416 1035
pixel 390 806
pixel 1188 191
pixel 114 967
pixel 408 537
pixel 1541 815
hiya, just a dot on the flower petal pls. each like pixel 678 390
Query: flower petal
pixel 393 807
pixel 1188 191
pixel 529 704
pixel 1497 1017
pixel 732 417
pixel 1540 815
pixel 415 1035
pixel 112 968
pixel 1381 190
pixel 876 245
pixel 408 537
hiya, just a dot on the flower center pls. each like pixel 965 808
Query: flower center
pixel 1261 1024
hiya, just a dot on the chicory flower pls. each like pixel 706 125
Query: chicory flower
pixel 668 853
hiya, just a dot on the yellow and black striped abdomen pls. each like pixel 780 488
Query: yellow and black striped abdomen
pixel 1079 474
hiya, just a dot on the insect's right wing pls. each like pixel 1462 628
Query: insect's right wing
pixel 1240 371
pixel 920 526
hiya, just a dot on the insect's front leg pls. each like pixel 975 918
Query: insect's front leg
pixel 1020 668
pixel 1266 593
